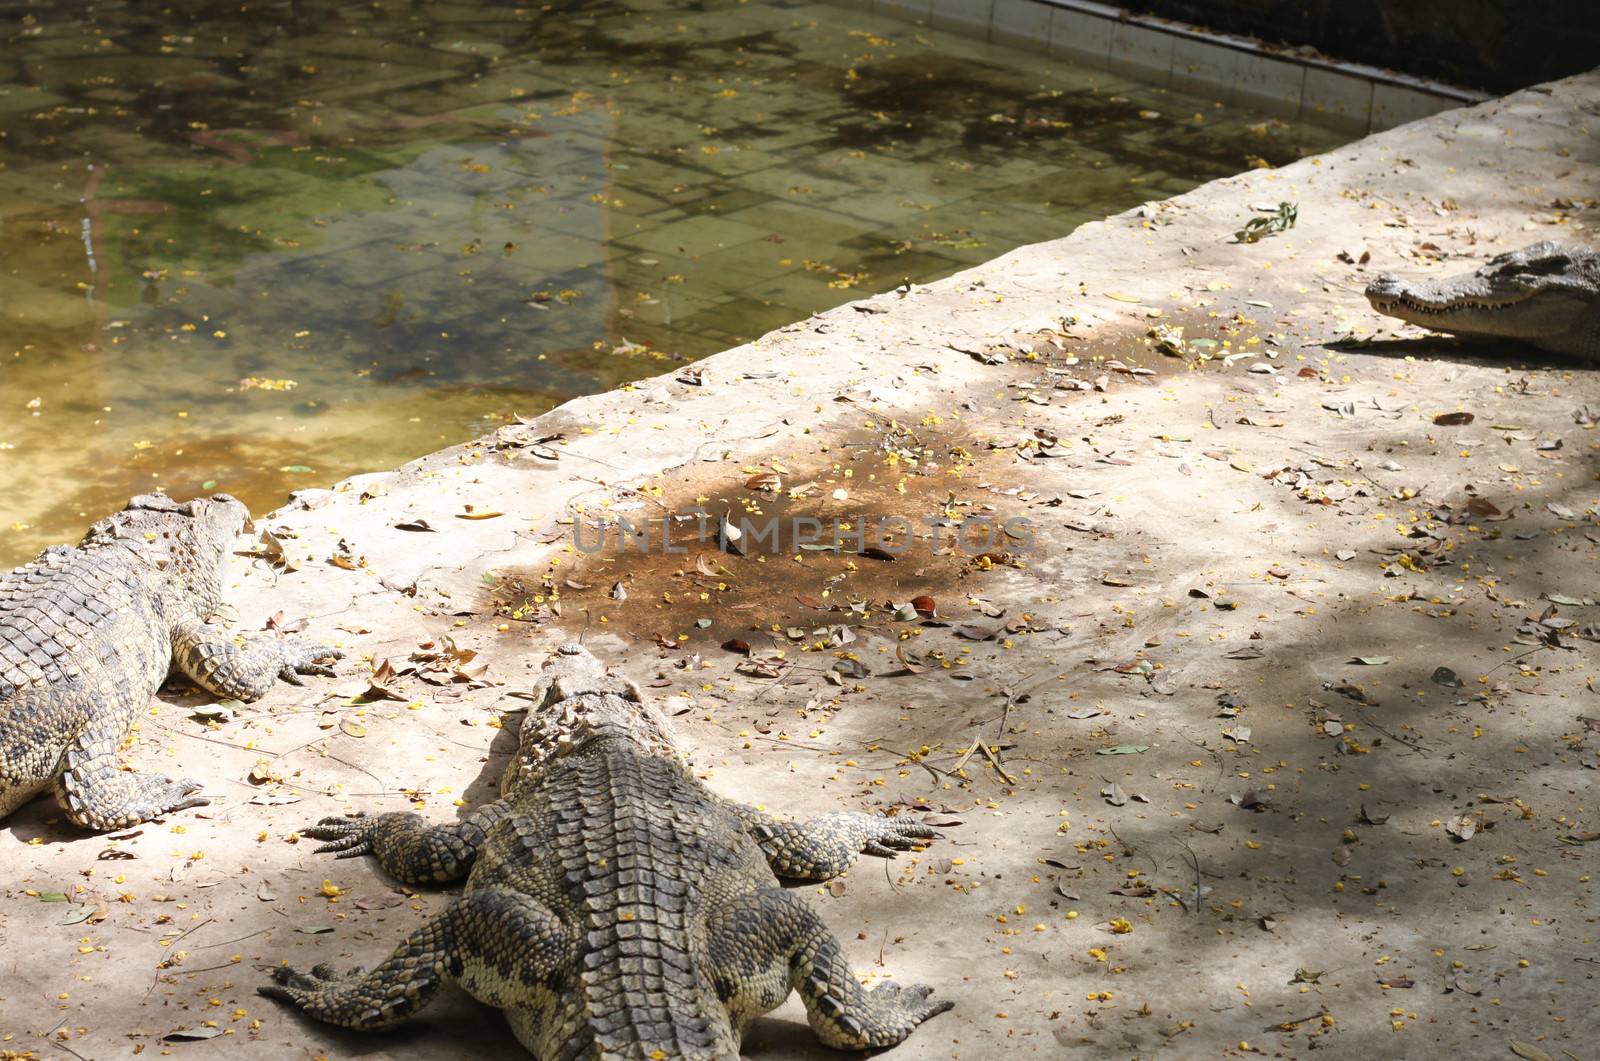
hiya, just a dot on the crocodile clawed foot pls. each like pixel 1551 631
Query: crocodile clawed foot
pixel 295 987
pixel 301 659
pixel 347 837
pixel 913 1002
pixel 176 795
pixel 291 985
pixel 888 836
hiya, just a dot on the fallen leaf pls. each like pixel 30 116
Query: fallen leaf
pixel 1251 800
pixel 1462 827
pixel 379 902
pixel 912 664
pixel 767 481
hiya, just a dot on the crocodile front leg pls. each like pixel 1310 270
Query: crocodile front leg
pixel 773 942
pixel 406 846
pixel 97 795
pixel 207 655
pixel 503 947
pixel 826 846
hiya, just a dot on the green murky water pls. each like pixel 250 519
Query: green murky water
pixel 254 246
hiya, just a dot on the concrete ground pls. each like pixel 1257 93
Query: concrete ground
pixel 1268 732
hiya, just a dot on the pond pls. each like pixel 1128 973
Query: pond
pixel 254 247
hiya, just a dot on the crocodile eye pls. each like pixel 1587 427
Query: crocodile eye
pixel 1551 266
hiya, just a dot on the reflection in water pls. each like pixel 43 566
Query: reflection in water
pixel 254 247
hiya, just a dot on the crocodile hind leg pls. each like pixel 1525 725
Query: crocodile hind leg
pixel 210 658
pixel 826 846
pixel 33 733
pixel 406 846
pixel 97 795
pixel 774 942
pixel 503 947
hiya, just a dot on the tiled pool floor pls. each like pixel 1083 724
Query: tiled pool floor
pixel 254 247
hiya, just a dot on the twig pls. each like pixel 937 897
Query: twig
pixel 972 746
pixel 1395 736
pixel 994 760
pixel 225 942
pixel 1513 659
pixel 193 928
pixel 60 1043
pixel 1155 867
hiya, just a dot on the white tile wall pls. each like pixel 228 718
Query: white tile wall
pixel 1142 52
pixel 1342 99
pixel 1268 83
pixel 1394 105
pixel 918 10
pixel 1080 37
pixel 1022 24
pixel 1202 67
pixel 972 17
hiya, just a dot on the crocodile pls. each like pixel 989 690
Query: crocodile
pixel 615 907
pixel 87 636
pixel 1547 294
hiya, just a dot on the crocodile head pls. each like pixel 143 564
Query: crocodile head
pixel 1548 294
pixel 191 539
pixel 578 702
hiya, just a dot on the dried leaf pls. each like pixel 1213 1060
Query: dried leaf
pixel 912 664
